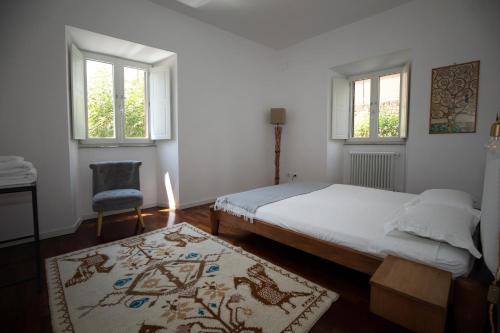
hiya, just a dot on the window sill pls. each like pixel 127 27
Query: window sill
pixel 117 145
pixel 367 143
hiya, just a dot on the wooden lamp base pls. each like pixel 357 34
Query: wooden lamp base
pixel 277 151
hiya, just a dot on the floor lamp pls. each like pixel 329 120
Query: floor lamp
pixel 278 117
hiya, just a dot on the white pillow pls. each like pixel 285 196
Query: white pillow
pixel 452 225
pixel 452 198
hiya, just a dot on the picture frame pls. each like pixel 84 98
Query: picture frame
pixel 454 98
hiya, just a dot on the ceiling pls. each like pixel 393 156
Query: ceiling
pixel 281 23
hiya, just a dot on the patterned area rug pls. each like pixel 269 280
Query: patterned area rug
pixel 178 279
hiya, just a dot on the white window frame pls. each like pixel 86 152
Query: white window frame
pixel 374 107
pixel 118 101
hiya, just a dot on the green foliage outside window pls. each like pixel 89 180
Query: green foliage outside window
pixel 134 106
pixel 101 117
pixel 388 122
pixel 388 119
pixel 362 125
pixel 388 125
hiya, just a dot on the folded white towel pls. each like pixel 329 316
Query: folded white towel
pixel 27 178
pixel 11 165
pixel 19 170
pixel 5 158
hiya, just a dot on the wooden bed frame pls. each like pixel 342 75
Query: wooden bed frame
pixel 342 255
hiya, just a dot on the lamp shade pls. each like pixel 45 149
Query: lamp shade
pixel 278 116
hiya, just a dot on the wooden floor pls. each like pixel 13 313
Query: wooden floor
pixel 22 309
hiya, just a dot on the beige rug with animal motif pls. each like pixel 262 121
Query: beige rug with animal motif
pixel 178 279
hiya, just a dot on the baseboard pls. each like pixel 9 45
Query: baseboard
pixel 196 203
pixel 62 231
pixel 47 234
pixel 71 229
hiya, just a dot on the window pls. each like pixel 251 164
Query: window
pixel 116 100
pixel 378 106
pixel 112 103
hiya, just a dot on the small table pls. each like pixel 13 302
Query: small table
pixel 26 187
pixel 410 294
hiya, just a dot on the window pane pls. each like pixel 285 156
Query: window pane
pixel 388 114
pixel 135 114
pixel 100 111
pixel 361 120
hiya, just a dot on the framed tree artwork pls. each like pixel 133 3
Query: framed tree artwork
pixel 454 96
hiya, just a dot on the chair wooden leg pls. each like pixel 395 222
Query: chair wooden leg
pixel 139 216
pixel 99 224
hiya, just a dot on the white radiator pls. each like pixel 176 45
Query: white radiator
pixel 373 169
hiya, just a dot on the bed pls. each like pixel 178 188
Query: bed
pixel 345 224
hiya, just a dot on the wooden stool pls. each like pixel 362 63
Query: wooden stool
pixel 410 294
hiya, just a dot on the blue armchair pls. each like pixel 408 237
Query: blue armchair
pixel 115 186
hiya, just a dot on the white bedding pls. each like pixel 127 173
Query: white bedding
pixel 354 217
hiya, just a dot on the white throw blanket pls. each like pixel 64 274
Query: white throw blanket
pixel 245 204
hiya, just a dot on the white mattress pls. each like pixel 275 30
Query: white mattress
pixel 354 217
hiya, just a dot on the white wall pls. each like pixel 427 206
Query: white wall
pixel 222 81
pixel 33 118
pixel 74 167
pixel 438 33
pixel 167 151
pixel 225 141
